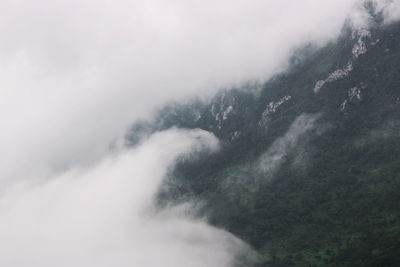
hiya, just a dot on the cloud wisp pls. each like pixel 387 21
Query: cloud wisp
pixel 272 159
pixel 75 74
pixel 103 215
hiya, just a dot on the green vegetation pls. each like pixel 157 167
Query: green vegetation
pixel 335 198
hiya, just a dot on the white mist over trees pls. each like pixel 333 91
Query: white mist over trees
pixel 75 74
pixel 103 215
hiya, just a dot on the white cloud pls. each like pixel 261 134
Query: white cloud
pixel 74 74
pixel 389 8
pixel 103 215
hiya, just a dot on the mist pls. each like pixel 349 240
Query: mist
pixel 274 157
pixel 103 215
pixel 390 9
pixel 74 75
pixel 83 71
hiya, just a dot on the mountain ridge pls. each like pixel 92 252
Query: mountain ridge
pixel 329 127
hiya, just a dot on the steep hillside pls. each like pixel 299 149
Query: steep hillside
pixel 309 169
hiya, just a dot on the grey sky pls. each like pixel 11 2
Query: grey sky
pixel 74 74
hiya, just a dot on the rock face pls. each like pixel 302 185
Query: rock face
pixel 361 36
pixel 334 76
pixel 354 95
pixel 327 137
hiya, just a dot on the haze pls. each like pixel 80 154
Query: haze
pixel 74 75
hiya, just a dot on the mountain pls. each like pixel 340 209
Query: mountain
pixel 309 168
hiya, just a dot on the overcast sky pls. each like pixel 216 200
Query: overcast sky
pixel 75 74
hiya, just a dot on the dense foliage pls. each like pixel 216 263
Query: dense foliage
pixel 332 197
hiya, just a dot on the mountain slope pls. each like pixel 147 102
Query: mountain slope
pixel 309 169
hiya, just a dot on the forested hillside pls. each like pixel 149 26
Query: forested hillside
pixel 309 168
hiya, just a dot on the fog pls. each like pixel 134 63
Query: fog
pixel 390 9
pixel 102 215
pixel 74 75
pixel 274 157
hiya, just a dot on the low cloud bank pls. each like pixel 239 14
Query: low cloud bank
pixel 74 74
pixel 103 215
